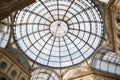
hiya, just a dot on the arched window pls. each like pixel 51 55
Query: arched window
pixel 43 74
pixel 107 61
pixel 4 32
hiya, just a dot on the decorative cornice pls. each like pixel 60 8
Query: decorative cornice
pixel 9 6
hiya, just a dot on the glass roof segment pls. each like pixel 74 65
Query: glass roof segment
pixel 108 62
pixel 43 74
pixel 59 33
pixel 4 32
pixel 104 1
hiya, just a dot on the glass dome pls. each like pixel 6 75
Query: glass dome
pixel 59 33
pixel 43 74
pixel 4 32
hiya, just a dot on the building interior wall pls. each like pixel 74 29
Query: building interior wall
pixel 83 71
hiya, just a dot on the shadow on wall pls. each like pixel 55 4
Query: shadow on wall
pixel 2 78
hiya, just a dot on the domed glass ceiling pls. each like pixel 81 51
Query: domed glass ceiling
pixel 43 74
pixel 4 32
pixel 59 33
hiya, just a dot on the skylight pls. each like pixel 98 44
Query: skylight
pixel 43 74
pixel 4 32
pixel 105 1
pixel 59 33
pixel 109 62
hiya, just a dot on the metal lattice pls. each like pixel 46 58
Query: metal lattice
pixel 4 32
pixel 59 33
pixel 107 62
pixel 43 74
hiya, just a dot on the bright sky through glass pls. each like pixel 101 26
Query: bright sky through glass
pixel 105 1
pixel 4 32
pixel 109 62
pixel 43 74
pixel 59 33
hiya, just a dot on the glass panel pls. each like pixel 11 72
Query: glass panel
pixel 118 70
pixel 104 66
pixel 112 68
pixel 97 64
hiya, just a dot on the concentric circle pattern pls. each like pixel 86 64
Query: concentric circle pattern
pixel 59 28
pixel 59 33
